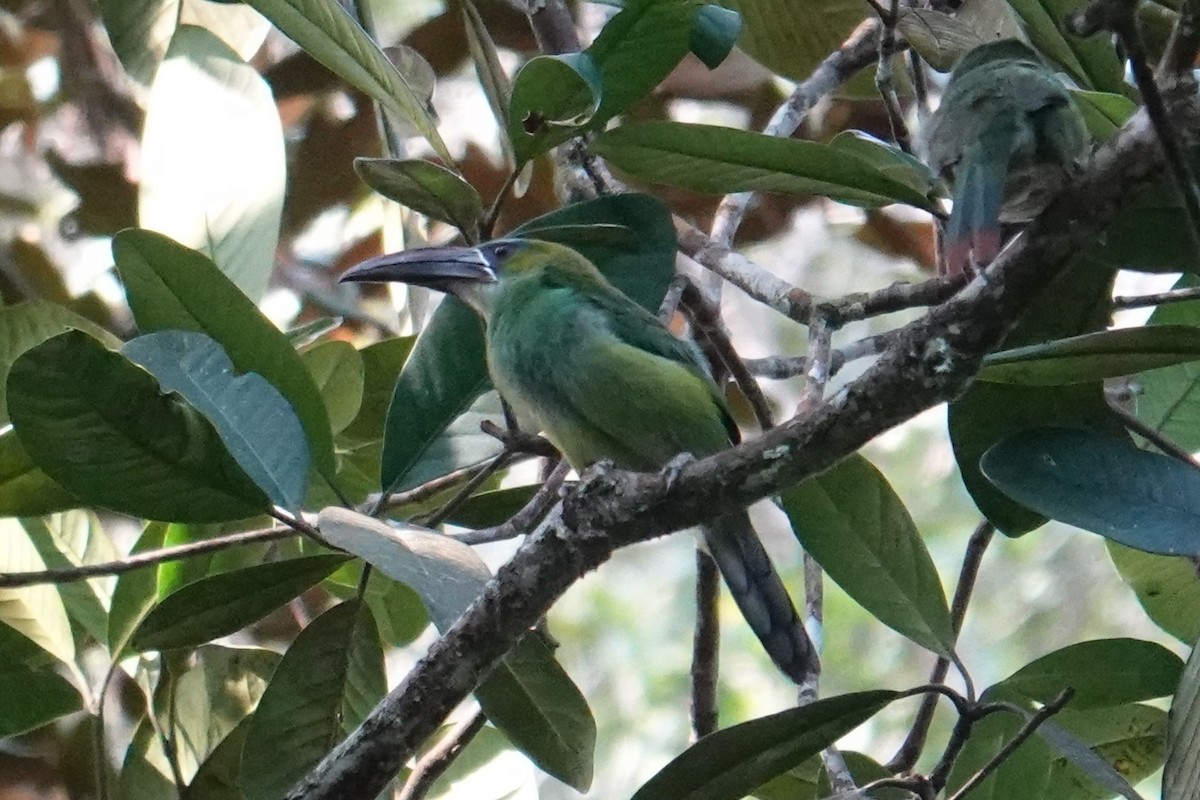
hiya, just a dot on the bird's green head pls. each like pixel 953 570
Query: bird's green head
pixel 473 274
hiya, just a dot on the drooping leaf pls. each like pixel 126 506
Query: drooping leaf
pixel 1094 356
pixel 427 189
pixel 1085 759
pixel 325 31
pixel 337 369
pixel 1103 484
pixel 99 426
pixel 26 325
pixel 715 30
pixel 229 601
pixel 256 422
pixel 1181 773
pixel 217 777
pixel 298 718
pixel 731 762
pixel 851 521
pixel 170 286
pixel 446 371
pixel 1102 673
pixel 527 695
pixel 1104 112
pixel 492 77
pixel 709 158
pixel 35 612
pixel 382 363
pixel 24 489
pixel 69 541
pixel 213 159
pixel 134 594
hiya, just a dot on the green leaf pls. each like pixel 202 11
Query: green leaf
pixel 253 419
pixel 491 508
pixel 1181 773
pixel 446 372
pixel 1094 356
pixel 1104 112
pixel 69 541
pixel 715 31
pixel 426 188
pixel 229 601
pixel 1170 399
pixel 1091 62
pixel 172 287
pixel 297 720
pixel 492 78
pixel 24 489
pixel 718 160
pixel 1166 586
pixel 99 426
pixel 36 612
pixel 888 159
pixel 27 325
pixel 731 762
pixel 1085 759
pixel 135 593
pixel 217 777
pixel 1103 673
pixel 337 369
pixel 382 363
pixel 33 698
pixel 213 158
pixel 1103 484
pixel 852 522
pixel 552 98
pixel 789 37
pixel 325 31
pixel 527 695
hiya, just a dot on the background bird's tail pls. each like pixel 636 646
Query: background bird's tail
pixel 979 184
pixel 760 594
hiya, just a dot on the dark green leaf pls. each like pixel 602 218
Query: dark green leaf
pixel 1181 773
pixel 172 287
pixel 24 489
pixel 29 324
pixel 297 720
pixel 1103 484
pixel 446 372
pixel 227 602
pixel 337 369
pixel 729 763
pixel 708 158
pixel 1103 673
pixel 382 363
pixel 256 422
pixel 325 31
pixel 1091 62
pixel 33 697
pixel 426 188
pixel 851 521
pixel 1170 399
pixel 491 508
pixel 217 777
pixel 715 30
pixel 527 695
pixel 100 427
pixel 213 162
pixel 1094 356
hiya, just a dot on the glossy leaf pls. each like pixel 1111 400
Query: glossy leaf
pixel 255 422
pixel 851 521
pixel 1103 484
pixel 229 601
pixel 731 762
pixel 527 695
pixel 325 30
pixel 1166 586
pixel 426 188
pixel 297 720
pixel 27 325
pixel 1181 773
pixel 1094 356
pixel 172 287
pixel 709 158
pixel 99 426
pixel 25 490
pixel 1103 673
pixel 35 612
pixel 446 372
pixel 790 38
pixel 715 30
pixel 213 158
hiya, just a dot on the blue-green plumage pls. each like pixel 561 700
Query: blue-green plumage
pixel 603 379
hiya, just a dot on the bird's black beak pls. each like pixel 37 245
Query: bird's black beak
pixel 432 267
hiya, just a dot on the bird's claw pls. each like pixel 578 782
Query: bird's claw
pixel 674 468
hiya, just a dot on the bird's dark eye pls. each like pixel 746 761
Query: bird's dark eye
pixel 500 251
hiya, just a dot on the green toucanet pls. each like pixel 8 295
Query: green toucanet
pixel 1008 135
pixel 603 379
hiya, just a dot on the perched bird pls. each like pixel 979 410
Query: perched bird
pixel 1008 135
pixel 603 379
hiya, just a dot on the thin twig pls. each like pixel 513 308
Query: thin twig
pixel 885 75
pixel 906 757
pixel 148 558
pixel 670 301
pixel 1031 725
pixel 531 514
pixel 816 364
pixel 1161 298
pixel 1155 437
pixel 439 758
pixel 427 490
pixel 553 27
pixel 493 213
pixel 705 646
pixel 489 469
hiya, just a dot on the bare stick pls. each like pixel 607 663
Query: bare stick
pixel 705 646
pixel 533 512
pixel 433 764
